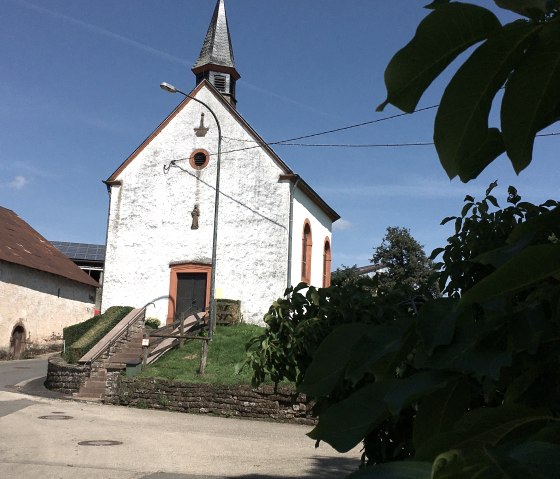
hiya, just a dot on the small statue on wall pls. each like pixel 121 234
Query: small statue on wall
pixel 195 213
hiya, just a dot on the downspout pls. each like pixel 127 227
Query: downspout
pixel 109 185
pixel 290 230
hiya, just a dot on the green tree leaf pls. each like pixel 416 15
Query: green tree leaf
pixel 528 8
pixel 490 148
pixel 461 124
pixel 546 222
pixel 531 265
pixel 484 427
pixel 346 423
pixel 445 33
pixel 481 463
pixel 403 392
pixel 438 412
pixel 541 458
pixel 381 340
pixel 330 359
pixel 474 350
pixel 436 323
pixel 532 96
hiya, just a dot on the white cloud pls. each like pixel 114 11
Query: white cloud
pixel 342 225
pixel 18 183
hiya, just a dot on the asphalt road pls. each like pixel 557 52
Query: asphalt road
pixel 63 439
pixel 14 372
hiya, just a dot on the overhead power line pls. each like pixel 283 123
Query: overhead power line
pixel 326 132
pixel 380 145
pixel 357 145
pixel 289 141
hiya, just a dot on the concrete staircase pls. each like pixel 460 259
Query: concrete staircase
pixel 118 347
pixel 123 345
pixel 94 387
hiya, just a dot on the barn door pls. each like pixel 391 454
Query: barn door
pixel 191 293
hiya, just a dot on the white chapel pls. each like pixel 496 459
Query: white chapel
pixel 163 244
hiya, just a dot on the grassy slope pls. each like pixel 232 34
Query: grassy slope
pixel 226 350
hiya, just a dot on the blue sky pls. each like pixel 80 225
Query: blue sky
pixel 79 92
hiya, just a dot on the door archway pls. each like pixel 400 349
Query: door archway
pixel 17 342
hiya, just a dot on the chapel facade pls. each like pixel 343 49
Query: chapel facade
pixel 273 230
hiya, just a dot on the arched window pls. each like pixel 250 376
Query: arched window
pixel 327 264
pixel 306 244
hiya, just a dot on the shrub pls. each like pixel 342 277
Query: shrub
pixel 299 322
pixel 152 323
pixel 80 338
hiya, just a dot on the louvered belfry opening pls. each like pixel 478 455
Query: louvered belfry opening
pixel 199 159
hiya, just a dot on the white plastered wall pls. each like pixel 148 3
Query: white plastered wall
pixel 41 302
pixel 321 228
pixel 150 219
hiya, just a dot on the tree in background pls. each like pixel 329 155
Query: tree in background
pixel 406 266
pixel 344 275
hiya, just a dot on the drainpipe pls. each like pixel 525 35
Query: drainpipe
pixel 290 230
pixel 109 185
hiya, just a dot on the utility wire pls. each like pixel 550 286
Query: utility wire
pixel 381 145
pixel 327 132
pixel 350 145
pixel 289 141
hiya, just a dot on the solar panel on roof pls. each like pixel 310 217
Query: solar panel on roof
pixel 81 251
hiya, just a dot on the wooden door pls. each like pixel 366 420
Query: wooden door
pixel 191 293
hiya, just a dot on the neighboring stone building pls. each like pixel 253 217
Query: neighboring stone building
pixel 90 258
pixel 41 290
pixel 273 230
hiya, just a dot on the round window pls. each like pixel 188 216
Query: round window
pixel 199 159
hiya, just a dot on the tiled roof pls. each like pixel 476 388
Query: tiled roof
pixel 370 268
pixel 21 244
pixel 81 251
pixel 217 49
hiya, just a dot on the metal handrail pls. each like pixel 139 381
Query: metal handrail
pixel 186 314
pixel 119 335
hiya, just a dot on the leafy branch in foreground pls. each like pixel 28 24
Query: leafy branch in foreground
pixel 521 57
pixel 472 381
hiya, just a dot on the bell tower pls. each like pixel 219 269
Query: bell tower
pixel 215 62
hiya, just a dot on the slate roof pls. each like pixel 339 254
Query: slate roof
pixel 217 49
pixel 21 244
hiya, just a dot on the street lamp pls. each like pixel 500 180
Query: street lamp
pixel 171 89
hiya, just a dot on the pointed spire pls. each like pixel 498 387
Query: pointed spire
pixel 216 62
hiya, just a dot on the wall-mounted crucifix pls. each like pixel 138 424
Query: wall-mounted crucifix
pixel 201 130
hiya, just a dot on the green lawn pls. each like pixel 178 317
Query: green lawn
pixel 226 350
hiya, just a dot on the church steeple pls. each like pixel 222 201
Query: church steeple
pixel 215 62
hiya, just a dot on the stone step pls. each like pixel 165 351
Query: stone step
pixel 92 389
pixel 116 365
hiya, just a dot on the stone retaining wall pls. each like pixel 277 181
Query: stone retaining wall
pixel 65 378
pixel 229 401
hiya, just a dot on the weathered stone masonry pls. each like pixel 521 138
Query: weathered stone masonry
pixel 230 401
pixel 65 378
